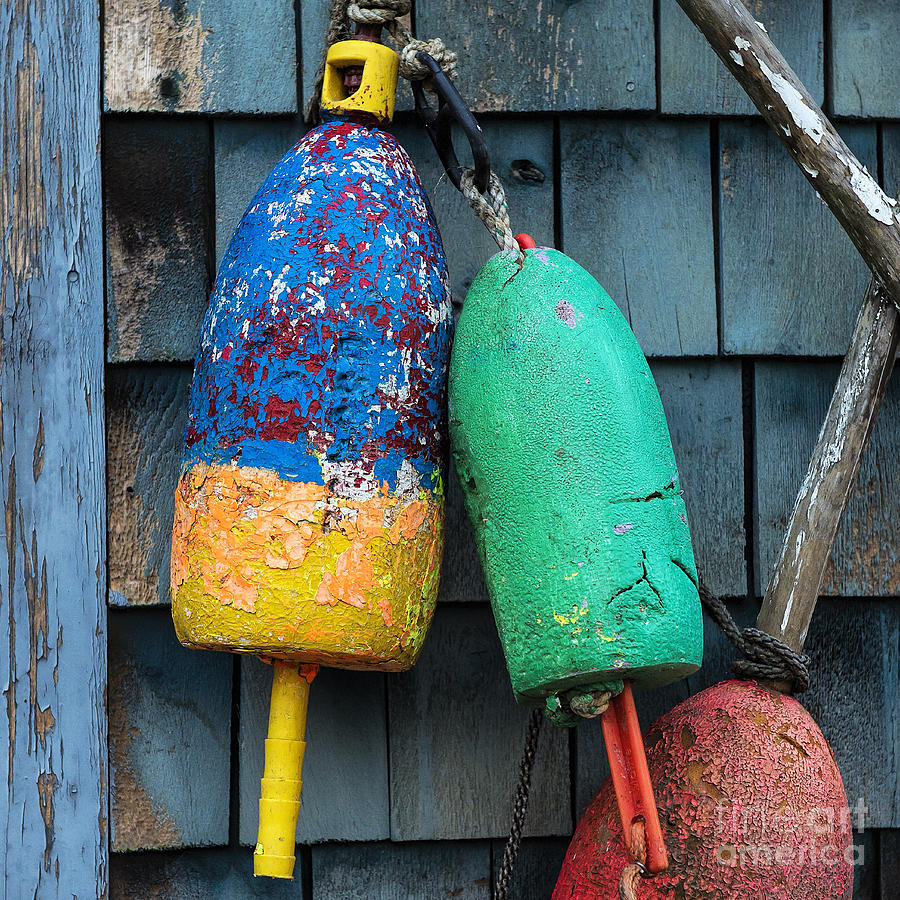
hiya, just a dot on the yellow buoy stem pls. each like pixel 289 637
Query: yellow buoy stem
pixel 279 802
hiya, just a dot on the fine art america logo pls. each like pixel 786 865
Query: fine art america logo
pixel 765 831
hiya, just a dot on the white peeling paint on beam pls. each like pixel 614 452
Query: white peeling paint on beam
pixel 739 60
pixel 806 119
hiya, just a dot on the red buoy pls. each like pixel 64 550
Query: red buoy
pixel 751 801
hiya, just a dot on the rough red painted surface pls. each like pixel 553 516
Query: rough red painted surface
pixel 751 802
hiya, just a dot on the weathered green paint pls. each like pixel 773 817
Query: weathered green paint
pixel 562 449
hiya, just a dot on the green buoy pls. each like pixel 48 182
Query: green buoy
pixel 564 456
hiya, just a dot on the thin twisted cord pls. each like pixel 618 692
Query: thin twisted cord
pixel 765 657
pixel 492 209
pixel 520 807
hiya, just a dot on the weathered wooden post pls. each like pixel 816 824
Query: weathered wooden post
pixel 52 455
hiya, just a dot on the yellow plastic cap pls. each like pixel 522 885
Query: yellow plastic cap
pixel 378 86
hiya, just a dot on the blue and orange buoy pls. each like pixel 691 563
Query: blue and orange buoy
pixel 309 511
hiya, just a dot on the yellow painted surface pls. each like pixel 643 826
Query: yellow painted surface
pixel 285 569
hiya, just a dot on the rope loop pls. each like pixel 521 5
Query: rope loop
pixel 377 12
pixel 493 210
pixel 765 657
pixel 634 871
pixel 414 70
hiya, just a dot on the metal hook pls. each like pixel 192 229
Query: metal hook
pixel 451 108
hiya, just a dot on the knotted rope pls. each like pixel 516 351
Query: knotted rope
pixel 520 807
pixel 765 657
pixel 492 209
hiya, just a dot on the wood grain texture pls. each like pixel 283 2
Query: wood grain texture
pixel 169 736
pixel 53 812
pixel 196 875
pixel 345 770
pixel 245 152
pixel 890 151
pixel 522 156
pixel 389 871
pixel 791 400
pixel 637 213
pixel 146 412
pixel 791 593
pixel 462 579
pixel 864 70
pixel 456 739
pixel 519 57
pixel 854 698
pixel 702 401
pixel 692 80
pixel 194 56
pixel 156 180
pixel 792 282
pixel 537 867
pixel 850 192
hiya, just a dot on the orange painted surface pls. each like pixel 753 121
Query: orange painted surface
pixel 286 568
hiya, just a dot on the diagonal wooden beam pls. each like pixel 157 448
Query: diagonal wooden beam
pixel 852 194
pixel 871 220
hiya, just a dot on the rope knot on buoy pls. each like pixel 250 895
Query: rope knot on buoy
pixel 765 658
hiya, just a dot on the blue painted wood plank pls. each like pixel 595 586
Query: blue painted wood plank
pixel 890 151
pixel 146 412
pixel 703 407
pixel 457 736
pixel 522 156
pixel 53 812
pixel 245 152
pixel 517 57
pixel 169 736
pixel 228 56
pixel 864 35
pixel 693 81
pixel 791 401
pixel 637 213
pixel 345 770
pixel 536 869
pixel 389 871
pixel 196 875
pixel 792 282
pixel 156 176
pixel 855 696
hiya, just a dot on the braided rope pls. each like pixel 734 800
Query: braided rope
pixel 766 657
pixel 632 873
pixel 493 210
pixel 520 807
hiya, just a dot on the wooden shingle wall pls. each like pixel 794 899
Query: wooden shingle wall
pixel 622 140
